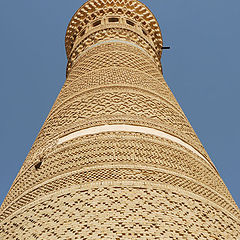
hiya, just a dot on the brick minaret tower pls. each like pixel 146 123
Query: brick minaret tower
pixel 116 157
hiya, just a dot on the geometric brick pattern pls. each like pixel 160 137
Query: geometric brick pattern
pixel 117 184
pixel 121 212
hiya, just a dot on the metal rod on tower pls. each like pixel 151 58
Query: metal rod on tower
pixel 165 48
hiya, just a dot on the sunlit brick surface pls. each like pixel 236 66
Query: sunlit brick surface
pixel 117 184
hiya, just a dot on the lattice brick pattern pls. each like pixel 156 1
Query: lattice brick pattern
pixel 115 149
pixel 117 184
pixel 117 76
pixel 121 212
pixel 107 34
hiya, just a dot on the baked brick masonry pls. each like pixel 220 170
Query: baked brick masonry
pixel 116 157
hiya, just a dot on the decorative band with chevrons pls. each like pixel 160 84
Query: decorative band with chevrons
pixel 128 128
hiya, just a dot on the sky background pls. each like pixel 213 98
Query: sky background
pixel 202 69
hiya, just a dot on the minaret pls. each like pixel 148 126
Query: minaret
pixel 116 157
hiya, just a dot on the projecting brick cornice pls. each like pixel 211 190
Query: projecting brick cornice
pixel 93 10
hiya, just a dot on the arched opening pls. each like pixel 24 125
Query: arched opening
pixel 113 19
pixel 96 23
pixel 130 23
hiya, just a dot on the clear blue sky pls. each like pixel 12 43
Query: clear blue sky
pixel 202 69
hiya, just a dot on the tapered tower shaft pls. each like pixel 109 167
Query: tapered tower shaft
pixel 116 157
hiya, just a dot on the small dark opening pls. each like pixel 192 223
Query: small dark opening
pixel 38 165
pixel 82 33
pixel 130 23
pixel 144 32
pixel 113 19
pixel 97 23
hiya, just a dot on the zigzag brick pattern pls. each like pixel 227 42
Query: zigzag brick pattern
pixel 117 184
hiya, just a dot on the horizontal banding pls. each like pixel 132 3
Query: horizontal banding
pixel 115 41
pixel 128 128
